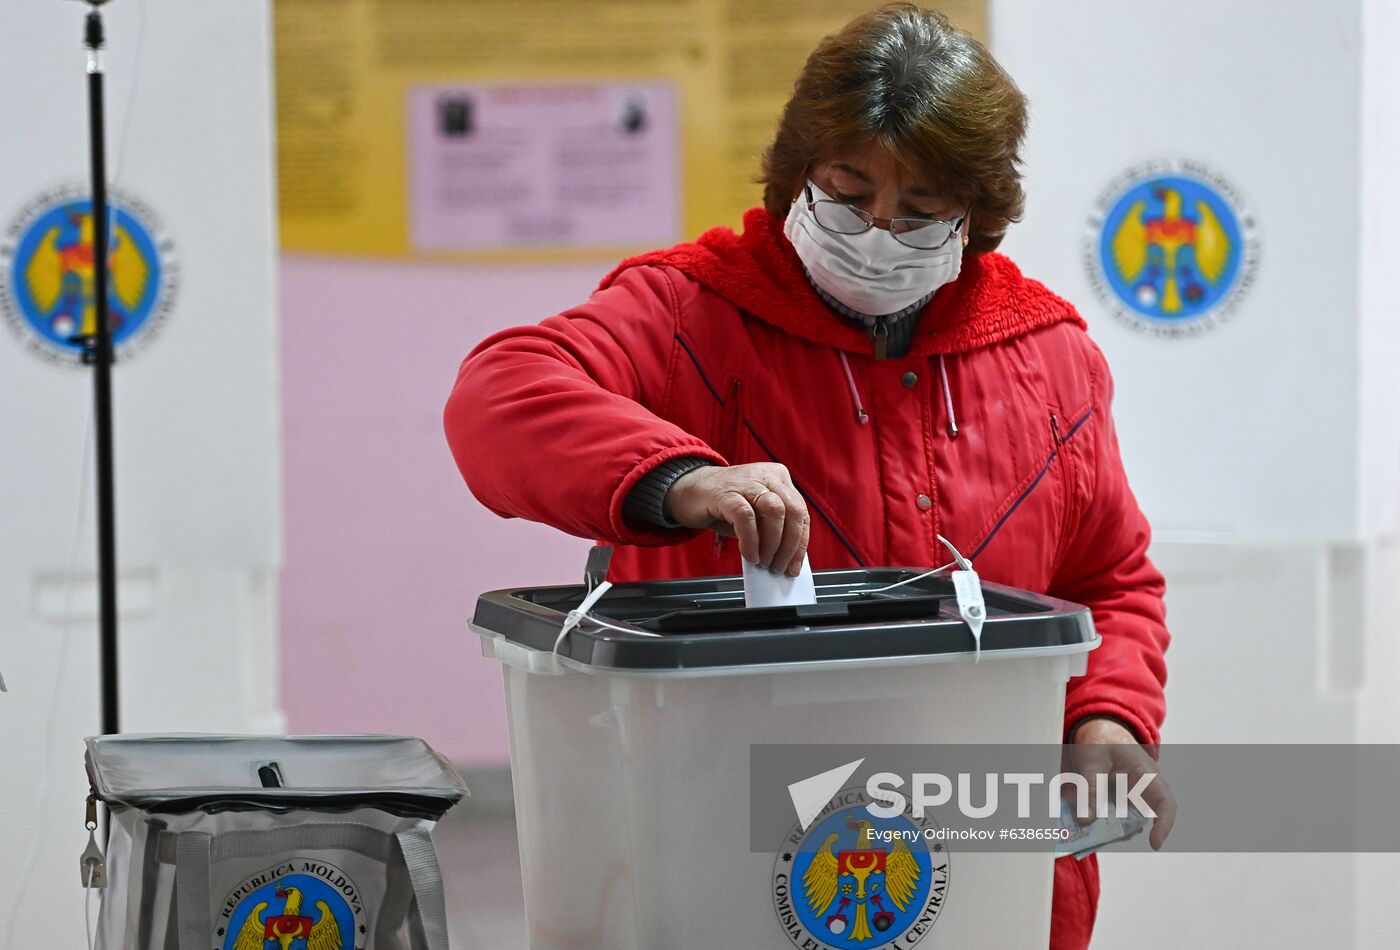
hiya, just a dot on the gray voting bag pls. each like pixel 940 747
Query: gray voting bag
pixel 271 843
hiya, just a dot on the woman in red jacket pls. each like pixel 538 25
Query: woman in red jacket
pixel 853 375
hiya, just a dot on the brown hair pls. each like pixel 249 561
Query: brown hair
pixel 928 93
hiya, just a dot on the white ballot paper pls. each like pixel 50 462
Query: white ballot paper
pixel 763 588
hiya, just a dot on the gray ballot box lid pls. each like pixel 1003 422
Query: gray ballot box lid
pixel 173 773
pixel 697 623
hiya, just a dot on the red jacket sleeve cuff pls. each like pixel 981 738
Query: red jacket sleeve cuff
pixel 1143 731
pixel 628 532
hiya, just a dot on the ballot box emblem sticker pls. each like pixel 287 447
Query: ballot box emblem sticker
pixel 1172 247
pixel 298 903
pixel 47 279
pixel 854 880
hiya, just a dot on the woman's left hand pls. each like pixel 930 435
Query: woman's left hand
pixel 1105 745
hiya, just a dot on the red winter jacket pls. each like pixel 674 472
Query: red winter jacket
pixel 721 349
pixel 994 431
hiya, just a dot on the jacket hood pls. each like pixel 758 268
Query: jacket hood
pixel 759 273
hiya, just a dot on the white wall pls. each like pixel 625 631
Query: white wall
pixel 1378 253
pixel 196 425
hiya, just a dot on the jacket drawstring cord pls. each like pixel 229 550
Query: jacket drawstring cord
pixel 861 416
pixel 947 397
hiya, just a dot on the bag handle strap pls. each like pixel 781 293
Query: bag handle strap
pixel 192 888
pixel 420 857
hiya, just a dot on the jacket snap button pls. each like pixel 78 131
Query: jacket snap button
pixel 909 379
pixel 924 502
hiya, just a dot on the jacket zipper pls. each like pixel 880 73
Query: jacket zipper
pixel 731 425
pixel 731 420
pixel 882 338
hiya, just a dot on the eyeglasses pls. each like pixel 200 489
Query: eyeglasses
pixel 926 234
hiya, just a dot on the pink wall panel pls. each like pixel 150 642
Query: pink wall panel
pixel 386 550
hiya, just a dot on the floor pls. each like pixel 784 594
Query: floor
pixel 481 879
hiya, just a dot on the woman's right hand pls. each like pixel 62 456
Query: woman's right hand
pixel 755 503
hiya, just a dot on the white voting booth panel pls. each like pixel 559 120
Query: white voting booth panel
pixel 1263 446
pixel 1280 422
pixel 189 118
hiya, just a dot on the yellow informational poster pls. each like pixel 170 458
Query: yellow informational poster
pixel 533 129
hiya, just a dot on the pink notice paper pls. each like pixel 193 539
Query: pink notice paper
pixel 543 165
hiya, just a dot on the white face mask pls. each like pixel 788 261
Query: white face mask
pixel 871 273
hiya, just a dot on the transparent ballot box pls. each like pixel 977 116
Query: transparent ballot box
pixel 631 742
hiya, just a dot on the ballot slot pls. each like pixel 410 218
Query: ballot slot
pixel 713 615
pixel 848 610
